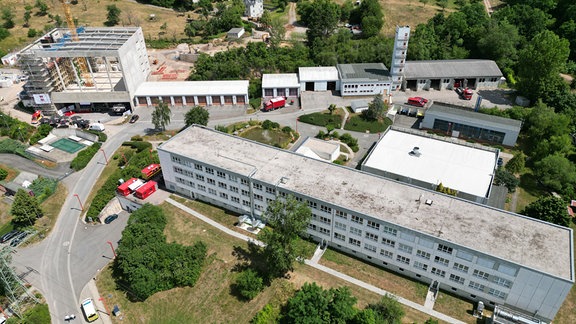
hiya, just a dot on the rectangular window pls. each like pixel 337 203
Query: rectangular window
pixel 326 209
pixel 312 204
pixel 386 254
pixel 357 219
pixel 234 189
pixel 211 181
pixel 268 200
pixel 480 274
pixel 221 174
pixel 212 191
pixel 223 195
pixel 209 170
pixel 497 293
pixel 245 203
pixel 258 197
pixel 245 192
pixel 370 247
pixel 341 214
pixel 270 190
pixel 390 230
pixel 438 272
pixel 464 255
pixel 312 226
pixel 456 279
pixel 372 237
pixel 325 220
pixel 445 248
pixel 388 242
pixel 244 182
pixel 374 225
pixel 420 265
pixel 423 254
pixel 257 186
pixel 198 167
pixel 354 241
pixel 199 177
pixel 405 248
pixel 502 282
pixel 403 259
pixel 339 225
pixel 475 285
pixel 222 185
pixel 355 231
pixel 339 236
pixel 441 261
pixel 235 199
pixel 460 267
pixel 201 188
pixel 258 207
pixel 324 231
pixel 232 178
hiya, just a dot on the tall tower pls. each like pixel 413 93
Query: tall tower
pixel 399 56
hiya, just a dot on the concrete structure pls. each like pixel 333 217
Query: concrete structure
pixel 254 8
pixel 320 78
pixel 447 74
pixel 10 59
pixel 399 56
pixel 235 33
pixel 193 93
pixel 280 85
pixel 359 106
pixel 364 79
pixel 427 160
pixel 319 149
pixel 471 250
pixel 464 123
pixel 103 67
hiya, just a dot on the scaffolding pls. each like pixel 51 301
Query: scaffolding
pixel 19 296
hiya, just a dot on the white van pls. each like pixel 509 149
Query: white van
pixel 89 310
pixel 96 127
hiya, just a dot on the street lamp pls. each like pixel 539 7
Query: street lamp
pixel 105 158
pixel 112 247
pixel 80 202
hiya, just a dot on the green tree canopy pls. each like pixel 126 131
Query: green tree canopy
pixel 376 109
pixel 557 173
pixel 549 209
pixel 197 115
pixel 249 284
pixel 25 209
pixel 312 304
pixel 161 115
pixel 321 17
pixel 113 15
pixel 516 163
pixel 288 218
pixel 506 179
pixel 387 310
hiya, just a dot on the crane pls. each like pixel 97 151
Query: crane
pixel 72 28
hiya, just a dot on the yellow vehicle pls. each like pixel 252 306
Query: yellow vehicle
pixel 89 310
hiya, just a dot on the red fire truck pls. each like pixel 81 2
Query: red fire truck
pixel 145 190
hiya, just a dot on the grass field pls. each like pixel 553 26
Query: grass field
pixel 359 124
pixel 211 301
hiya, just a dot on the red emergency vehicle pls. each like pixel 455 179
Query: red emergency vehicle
pixel 151 170
pixel 275 103
pixel 129 186
pixel 145 190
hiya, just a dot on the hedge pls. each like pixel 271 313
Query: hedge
pixel 15 147
pixel 138 146
pixel 83 158
pixel 102 137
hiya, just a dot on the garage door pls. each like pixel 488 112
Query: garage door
pixel 142 101
pixel 240 100
pixel 166 100
pixel 228 100
pixel 216 100
pixel 178 101
pixel 201 101
pixel 189 101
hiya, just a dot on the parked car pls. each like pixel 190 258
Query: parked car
pixel 18 239
pixel 134 118
pixel 417 101
pixel 500 162
pixel 6 237
pixel 110 219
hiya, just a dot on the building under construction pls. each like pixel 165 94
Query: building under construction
pixel 86 69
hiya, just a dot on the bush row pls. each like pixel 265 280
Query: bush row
pixel 83 158
pixel 15 147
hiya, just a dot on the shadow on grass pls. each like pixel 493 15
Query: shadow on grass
pixel 530 184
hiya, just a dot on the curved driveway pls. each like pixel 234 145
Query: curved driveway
pixel 23 164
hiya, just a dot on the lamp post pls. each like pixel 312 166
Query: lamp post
pixel 150 155
pixel 105 158
pixel 112 247
pixel 80 202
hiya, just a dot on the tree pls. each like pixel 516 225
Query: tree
pixel 332 108
pixel 371 18
pixel 549 209
pixel 197 115
pixel 516 163
pixel 442 4
pixel 506 179
pixel 322 18
pixel 249 284
pixel 113 16
pixel 161 115
pixel 8 17
pixel 540 62
pixel 376 109
pixel 25 209
pixel 557 173
pixel 189 30
pixel 27 15
pixel 312 304
pixel 499 42
pixel 387 310
pixel 42 8
pixel 542 123
pixel 289 218
pixel 3 174
pixel 277 31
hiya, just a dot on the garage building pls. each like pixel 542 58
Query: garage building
pixel 320 78
pixel 193 93
pixel 449 74
pixel 280 85
pixel 364 79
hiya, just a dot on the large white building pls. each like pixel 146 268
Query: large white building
pixel 470 250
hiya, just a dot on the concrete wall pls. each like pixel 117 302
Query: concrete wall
pixel 364 88
pixel 134 61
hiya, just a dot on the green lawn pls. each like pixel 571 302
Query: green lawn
pixel 273 137
pixel 322 119
pixel 359 124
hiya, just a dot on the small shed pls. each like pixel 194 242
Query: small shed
pixel 235 33
pixel 359 106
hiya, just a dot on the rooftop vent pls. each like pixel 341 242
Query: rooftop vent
pixel 428 202
pixel 415 152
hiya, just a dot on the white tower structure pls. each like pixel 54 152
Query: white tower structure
pixel 254 8
pixel 399 56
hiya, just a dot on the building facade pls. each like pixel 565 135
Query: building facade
pixel 97 69
pixel 471 250
pixel 364 79
pixel 280 85
pixel 398 65
pixel 254 8
pixel 320 78
pixel 464 123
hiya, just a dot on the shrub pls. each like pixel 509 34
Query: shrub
pixel 102 137
pixel 15 147
pixel 287 129
pixel 136 138
pixel 43 188
pixel 84 157
pixel 249 284
pixel 267 315
pixel 138 146
pixel 3 174
pixel 221 128
pixel 267 124
pixel 32 33
pixel 41 132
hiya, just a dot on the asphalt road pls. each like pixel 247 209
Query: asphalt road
pixel 24 164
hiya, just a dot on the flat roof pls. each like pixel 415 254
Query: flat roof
pixel 451 69
pixel 280 80
pixel 514 238
pixel 461 167
pixel 469 114
pixel 363 72
pixel 313 147
pixel 193 88
pixel 318 73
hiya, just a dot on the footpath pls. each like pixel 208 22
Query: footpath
pixel 91 286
